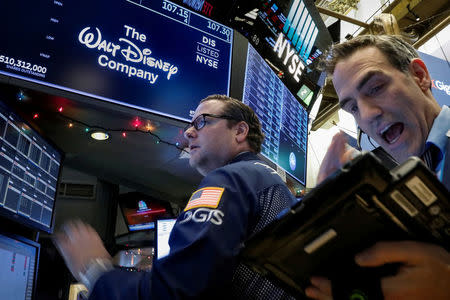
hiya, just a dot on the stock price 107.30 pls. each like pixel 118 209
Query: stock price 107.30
pixel 219 28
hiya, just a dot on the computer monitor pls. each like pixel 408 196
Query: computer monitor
pixel 284 120
pixel 163 229
pixel 290 35
pixel 152 55
pixel 140 211
pixel 29 171
pixel 18 267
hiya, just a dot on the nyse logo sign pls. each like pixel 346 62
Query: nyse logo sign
pixel 283 48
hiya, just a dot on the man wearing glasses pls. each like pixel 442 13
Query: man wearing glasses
pixel 238 196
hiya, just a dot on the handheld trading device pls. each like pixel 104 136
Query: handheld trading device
pixel 354 208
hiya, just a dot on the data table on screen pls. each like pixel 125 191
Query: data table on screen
pixel 283 119
pixel 29 170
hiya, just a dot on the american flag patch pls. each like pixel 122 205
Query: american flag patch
pixel 205 197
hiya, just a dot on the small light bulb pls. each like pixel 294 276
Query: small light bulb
pixel 99 135
pixel 20 96
pixel 137 122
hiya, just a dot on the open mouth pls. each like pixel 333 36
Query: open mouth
pixel 392 132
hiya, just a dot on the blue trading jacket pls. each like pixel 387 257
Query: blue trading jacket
pixel 232 203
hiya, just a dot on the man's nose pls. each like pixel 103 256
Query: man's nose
pixel 190 132
pixel 368 110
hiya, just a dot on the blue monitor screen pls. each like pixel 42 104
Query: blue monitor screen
pixel 284 120
pixel 29 171
pixel 18 260
pixel 152 55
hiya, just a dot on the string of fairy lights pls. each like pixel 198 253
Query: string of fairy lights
pixel 138 127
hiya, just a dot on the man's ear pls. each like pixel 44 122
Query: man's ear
pixel 420 74
pixel 241 131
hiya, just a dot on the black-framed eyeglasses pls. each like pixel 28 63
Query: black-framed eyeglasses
pixel 200 121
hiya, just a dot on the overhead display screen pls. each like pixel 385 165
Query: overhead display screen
pixel 29 170
pixel 290 36
pixel 284 120
pixel 297 21
pixel 152 55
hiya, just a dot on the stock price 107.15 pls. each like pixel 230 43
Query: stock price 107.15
pixel 176 10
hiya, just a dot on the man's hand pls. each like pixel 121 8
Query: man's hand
pixel 78 244
pixel 320 289
pixel 338 153
pixel 425 273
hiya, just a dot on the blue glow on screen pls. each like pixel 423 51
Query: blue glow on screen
pixel 284 120
pixel 152 55
pixel 301 29
pixel 143 226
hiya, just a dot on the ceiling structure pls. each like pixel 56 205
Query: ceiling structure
pixel 416 18
pixel 148 158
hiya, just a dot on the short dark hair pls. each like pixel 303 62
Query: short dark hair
pixel 398 52
pixel 241 112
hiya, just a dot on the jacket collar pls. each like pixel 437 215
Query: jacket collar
pixel 244 156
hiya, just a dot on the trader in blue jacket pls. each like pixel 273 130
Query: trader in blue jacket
pixel 238 196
